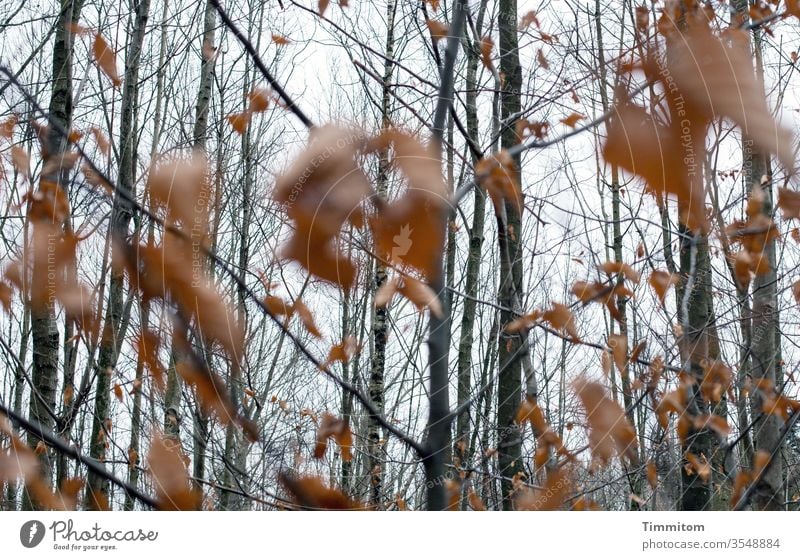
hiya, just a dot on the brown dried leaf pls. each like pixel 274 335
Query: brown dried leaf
pixel 311 493
pixel 572 119
pixel 561 319
pixel 339 430
pixel 475 501
pixel 420 295
pixel 306 318
pixel 259 100
pixel 321 190
pixel 698 466
pixel 344 351
pixel 541 60
pixel 487 46
pixel 528 19
pixel 410 231
pixel 498 174
pixel 660 281
pixel 20 160
pixel 618 343
pixel 652 475
pixel 550 498
pixel 7 127
pixel 609 428
pixel 437 29
pixel 174 489
pixel 716 380
pixel 102 142
pixel 106 59
pixel 716 78
pixel 789 203
pixel 239 121
pixel 625 269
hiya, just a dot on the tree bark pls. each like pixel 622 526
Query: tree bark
pixel 44 330
pixel 509 392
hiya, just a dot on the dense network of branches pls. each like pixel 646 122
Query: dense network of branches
pixel 484 254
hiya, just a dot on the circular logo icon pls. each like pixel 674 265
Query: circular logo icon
pixel 31 533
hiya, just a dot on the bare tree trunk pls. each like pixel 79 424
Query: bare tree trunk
pixel 473 258
pixel 375 459
pixel 509 392
pixel 134 451
pixel 764 333
pixel 121 215
pixel 19 389
pixel 635 477
pixel 44 330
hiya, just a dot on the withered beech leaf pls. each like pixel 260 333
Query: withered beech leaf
pixel 523 322
pixel 541 60
pixel 652 475
pixel 529 411
pixel 487 46
pixel 716 380
pixel 602 292
pixel 420 295
pixel 102 141
pixel 18 462
pixel 239 121
pixel 698 466
pixel 343 351
pixel 774 403
pixel 643 147
pixel 306 317
pixel 528 19
pixel 147 346
pixel 337 428
pixel 7 127
pixel 475 501
pixel 572 119
pixel 715 76
pixel 106 59
pixel 173 487
pixel 259 100
pixel 612 267
pixel 497 174
pixel 619 351
pixel 311 493
pixel 557 487
pixel 789 203
pixel 277 306
pixel 561 319
pixel 21 160
pixel 438 30
pixel 181 188
pixel 320 191
pixel 452 490
pixel 610 431
pixel 674 402
pixel 660 281
pixel 409 231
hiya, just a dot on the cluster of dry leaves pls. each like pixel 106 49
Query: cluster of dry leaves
pixel 325 190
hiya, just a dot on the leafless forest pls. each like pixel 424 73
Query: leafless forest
pixel 399 254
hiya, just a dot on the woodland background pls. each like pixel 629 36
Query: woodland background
pixel 399 254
